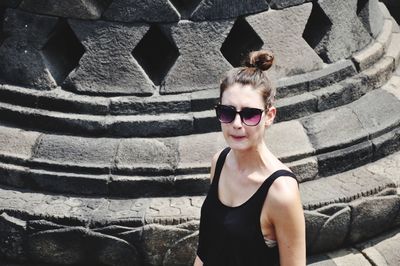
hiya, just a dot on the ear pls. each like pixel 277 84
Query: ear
pixel 270 116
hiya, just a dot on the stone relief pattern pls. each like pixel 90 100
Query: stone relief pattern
pixel 112 58
pixel 70 234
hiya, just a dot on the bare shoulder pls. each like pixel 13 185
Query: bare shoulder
pixel 214 163
pixel 284 193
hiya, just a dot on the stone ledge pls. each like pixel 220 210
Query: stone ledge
pixel 368 56
pixel 394 49
pixel 385 36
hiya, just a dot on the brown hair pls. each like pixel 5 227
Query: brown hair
pixel 252 74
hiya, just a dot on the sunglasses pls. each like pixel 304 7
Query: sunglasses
pixel 248 116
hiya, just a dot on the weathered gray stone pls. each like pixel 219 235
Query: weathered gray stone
pixel 82 9
pixel 280 4
pixel 384 10
pixel 112 251
pixel 345 159
pixel 385 36
pixel 154 241
pixel 331 74
pixel 200 64
pixel 223 9
pixel 113 230
pixel 136 154
pixel 296 106
pixel 305 169
pixel 293 85
pixel 342 188
pixel 191 225
pixel 34 226
pixel 286 26
pixel 314 222
pixel 372 216
pixel 380 72
pixel 94 152
pixel 79 245
pixel 16 142
pixel 183 252
pixel 107 67
pixel 371 16
pixel 54 100
pixel 346 35
pixel 320 260
pixel 165 125
pixel 166 211
pixel 204 100
pixel 135 105
pixel 332 96
pixel 12 238
pixel 374 112
pixel 55 181
pixel 197 150
pixel 67 102
pixel 205 122
pixel 394 48
pixel 383 250
pixel 288 141
pixel 368 56
pixel 334 128
pixel 21 61
pixel 333 232
pixel 10 3
pixel 386 144
pixel 149 11
pixel 348 256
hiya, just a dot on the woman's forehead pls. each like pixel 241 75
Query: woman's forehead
pixel 243 95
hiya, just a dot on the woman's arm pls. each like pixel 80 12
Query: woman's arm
pixel 287 216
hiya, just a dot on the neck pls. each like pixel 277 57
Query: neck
pixel 253 159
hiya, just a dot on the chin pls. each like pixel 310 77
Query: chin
pixel 238 145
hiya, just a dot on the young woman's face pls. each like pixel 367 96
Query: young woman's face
pixel 237 134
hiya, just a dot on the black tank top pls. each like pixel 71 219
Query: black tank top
pixel 232 236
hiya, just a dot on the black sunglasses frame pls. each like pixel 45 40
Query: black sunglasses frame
pixel 218 108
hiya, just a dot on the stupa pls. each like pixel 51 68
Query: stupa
pixel 107 125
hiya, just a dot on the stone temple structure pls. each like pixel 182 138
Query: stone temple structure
pixel 107 126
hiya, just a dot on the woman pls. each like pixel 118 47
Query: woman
pixel 252 214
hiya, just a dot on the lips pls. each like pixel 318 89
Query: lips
pixel 238 137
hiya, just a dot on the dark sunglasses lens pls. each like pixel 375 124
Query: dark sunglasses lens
pixel 251 116
pixel 225 114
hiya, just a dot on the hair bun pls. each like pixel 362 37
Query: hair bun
pixel 260 59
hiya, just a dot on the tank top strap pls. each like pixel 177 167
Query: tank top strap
pixel 220 164
pixel 261 194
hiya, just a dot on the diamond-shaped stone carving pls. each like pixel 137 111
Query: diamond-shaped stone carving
pixel 185 7
pixel 347 34
pixel 108 67
pixel 241 40
pixel 201 63
pixel 83 9
pixel 149 10
pixel 156 54
pixel 281 32
pixel 317 27
pixel 223 9
pixel 370 15
pixel 21 60
pixel 62 51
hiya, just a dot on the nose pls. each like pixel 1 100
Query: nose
pixel 237 122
